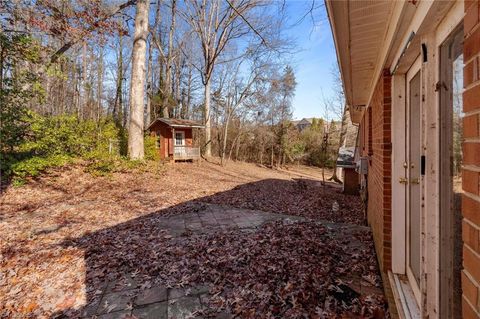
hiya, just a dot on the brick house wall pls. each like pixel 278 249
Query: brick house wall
pixel 377 144
pixel 471 161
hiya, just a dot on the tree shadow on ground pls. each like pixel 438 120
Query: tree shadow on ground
pixel 235 251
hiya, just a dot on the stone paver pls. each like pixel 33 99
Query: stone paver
pixel 115 315
pixel 116 301
pixel 123 298
pixel 157 310
pixel 152 295
pixel 183 308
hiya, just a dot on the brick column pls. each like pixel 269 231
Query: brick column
pixel 471 161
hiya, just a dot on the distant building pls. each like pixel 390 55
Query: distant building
pixel 303 123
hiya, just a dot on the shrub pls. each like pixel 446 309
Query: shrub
pixel 151 151
pixel 33 166
pixel 102 166
pixel 50 141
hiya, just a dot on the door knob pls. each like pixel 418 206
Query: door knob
pixel 415 181
pixel 403 180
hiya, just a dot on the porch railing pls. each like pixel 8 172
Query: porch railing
pixel 186 152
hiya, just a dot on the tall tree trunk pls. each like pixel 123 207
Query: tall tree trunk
pixel 148 116
pixel 178 75
pixel 224 142
pixel 168 66
pixel 2 59
pixel 100 85
pixel 150 113
pixel 262 147
pixel 208 135
pixel 137 83
pixel 272 155
pixel 117 106
pixel 189 93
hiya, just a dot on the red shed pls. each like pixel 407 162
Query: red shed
pixel 175 138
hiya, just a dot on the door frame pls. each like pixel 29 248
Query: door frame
pixel 426 43
pixel 446 216
pixel 414 70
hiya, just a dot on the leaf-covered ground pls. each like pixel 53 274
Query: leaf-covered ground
pixel 66 233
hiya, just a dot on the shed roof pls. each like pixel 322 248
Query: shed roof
pixel 177 123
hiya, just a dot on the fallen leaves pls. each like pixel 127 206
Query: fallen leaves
pixel 66 235
pixel 307 198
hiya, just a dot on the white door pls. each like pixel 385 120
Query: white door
pixel 180 150
pixel 413 179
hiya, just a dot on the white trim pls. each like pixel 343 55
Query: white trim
pixel 449 23
pixel 439 230
pixel 431 207
pixel 420 13
pixel 398 171
pixel 415 69
pixel 404 297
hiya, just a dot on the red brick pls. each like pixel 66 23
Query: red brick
pixel 470 236
pixel 467 4
pixel 470 181
pixel 471 209
pixel 470 263
pixel 471 98
pixel 471 18
pixel 470 289
pixel 471 72
pixel 471 126
pixel 378 128
pixel 471 45
pixel 471 153
pixel 468 312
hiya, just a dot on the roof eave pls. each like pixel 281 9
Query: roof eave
pixel 344 69
pixel 186 126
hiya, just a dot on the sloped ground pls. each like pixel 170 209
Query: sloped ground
pixel 69 241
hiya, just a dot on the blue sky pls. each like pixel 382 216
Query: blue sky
pixel 315 59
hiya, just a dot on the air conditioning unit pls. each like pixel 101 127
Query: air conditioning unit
pixel 361 166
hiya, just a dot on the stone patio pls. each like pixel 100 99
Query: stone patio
pixel 127 298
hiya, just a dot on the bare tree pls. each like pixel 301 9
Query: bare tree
pixel 137 83
pixel 217 25
pixel 236 90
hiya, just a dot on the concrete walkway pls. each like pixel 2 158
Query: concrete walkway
pixel 127 298
pixel 123 299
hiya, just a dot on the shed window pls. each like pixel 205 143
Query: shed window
pixel 157 139
pixel 179 138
